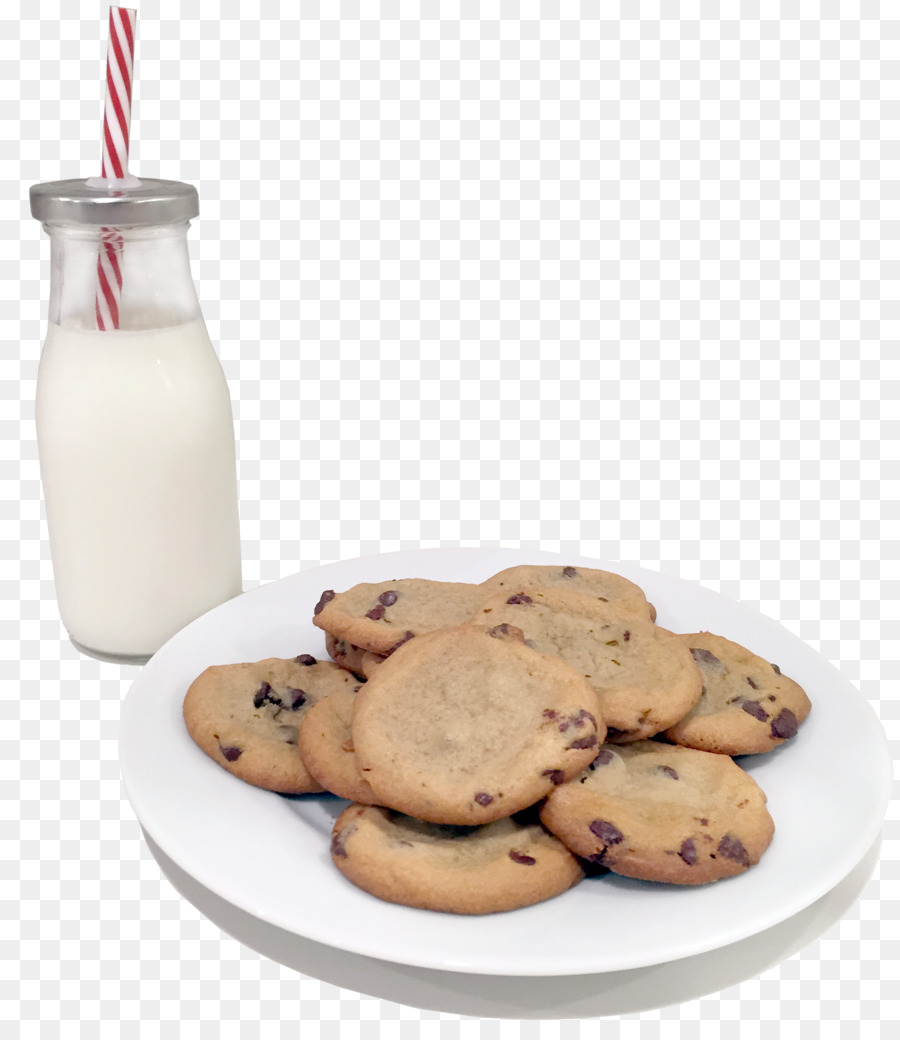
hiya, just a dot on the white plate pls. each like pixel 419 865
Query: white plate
pixel 268 855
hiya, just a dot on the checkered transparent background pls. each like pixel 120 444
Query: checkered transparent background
pixel 602 278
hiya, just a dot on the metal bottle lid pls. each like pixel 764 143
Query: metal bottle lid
pixel 114 204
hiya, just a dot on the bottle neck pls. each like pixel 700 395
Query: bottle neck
pixel 126 278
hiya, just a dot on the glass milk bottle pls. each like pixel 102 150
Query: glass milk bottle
pixel 134 423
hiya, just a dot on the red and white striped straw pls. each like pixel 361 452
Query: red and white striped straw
pixel 116 129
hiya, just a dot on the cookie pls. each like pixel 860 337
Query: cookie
pixel 369 663
pixel 644 676
pixel 246 716
pixel 461 726
pixel 662 813
pixel 326 746
pixel 382 616
pixel 501 866
pixel 344 653
pixel 622 595
pixel 747 706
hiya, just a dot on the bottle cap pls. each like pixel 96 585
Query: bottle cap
pixel 103 202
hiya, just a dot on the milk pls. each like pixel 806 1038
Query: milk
pixel 136 445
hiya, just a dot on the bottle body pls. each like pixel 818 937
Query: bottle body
pixel 136 447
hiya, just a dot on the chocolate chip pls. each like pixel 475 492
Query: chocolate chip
pixel 556 776
pixel 569 572
pixel 669 771
pixel 262 695
pixel 298 698
pixel 337 849
pixel 604 757
pixel 326 597
pixel 607 832
pixel 688 852
pixel 506 631
pixel 755 709
pixel 627 636
pixel 585 742
pixel 577 721
pixel 704 657
pixel 732 848
pixel 388 598
pixel 519 597
pixel 306 659
pixel 396 646
pixel 784 725
pixel 549 713
pixel 483 798
pixel 232 754
pixel 777 669
pixel 376 613
pixel 752 683
pixel 520 857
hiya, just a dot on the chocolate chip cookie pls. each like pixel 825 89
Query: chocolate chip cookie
pixel 644 676
pixel 662 813
pixel 325 741
pixel 346 654
pixel 622 595
pixel 245 717
pixel 383 616
pixel 462 870
pixel 461 726
pixel 747 706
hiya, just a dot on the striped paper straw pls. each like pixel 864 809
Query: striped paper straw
pixel 116 128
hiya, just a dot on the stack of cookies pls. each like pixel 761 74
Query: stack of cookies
pixel 499 741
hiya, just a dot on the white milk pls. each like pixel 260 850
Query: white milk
pixel 136 443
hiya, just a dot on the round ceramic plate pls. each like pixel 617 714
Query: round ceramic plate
pixel 268 854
